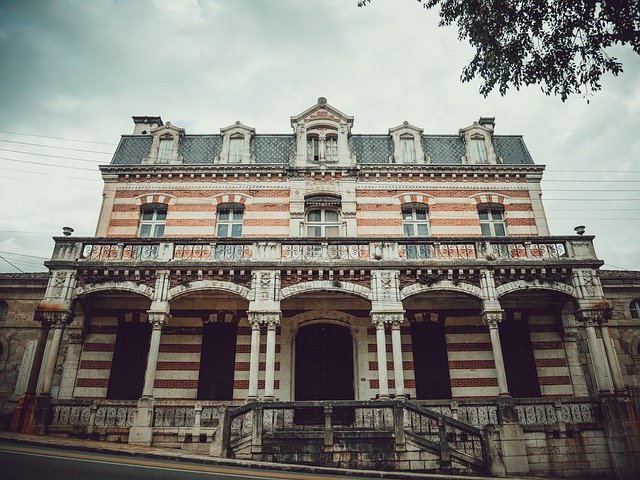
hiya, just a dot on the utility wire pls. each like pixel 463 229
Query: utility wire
pixel 51 183
pixel 57 138
pixel 49 165
pixel 48 155
pixel 52 146
pixel 43 173
pixel 23 255
pixel 20 270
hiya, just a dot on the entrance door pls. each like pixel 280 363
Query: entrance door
pixel 129 359
pixel 324 363
pixel 217 361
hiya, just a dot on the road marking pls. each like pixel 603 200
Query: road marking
pixel 161 465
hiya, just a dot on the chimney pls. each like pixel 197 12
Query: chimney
pixel 144 125
pixel 488 122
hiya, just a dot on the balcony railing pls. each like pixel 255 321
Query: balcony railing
pixel 309 251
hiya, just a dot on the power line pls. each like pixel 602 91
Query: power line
pixel 20 270
pixel 51 183
pixel 52 146
pixel 49 165
pixel 57 138
pixel 23 255
pixel 48 155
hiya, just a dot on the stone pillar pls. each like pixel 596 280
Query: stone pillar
pixel 264 309
pixel 158 320
pixel 71 363
pixel 398 368
pixel 270 361
pixel 52 359
pixel 141 432
pixel 43 335
pixel 381 348
pixel 491 319
pixel 255 359
pixel 598 362
pixel 612 358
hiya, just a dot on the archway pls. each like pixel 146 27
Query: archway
pixel 324 363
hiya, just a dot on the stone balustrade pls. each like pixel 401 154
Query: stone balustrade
pixel 432 251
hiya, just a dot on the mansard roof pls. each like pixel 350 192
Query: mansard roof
pixel 278 149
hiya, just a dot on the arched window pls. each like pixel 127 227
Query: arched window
pixel 415 221
pixel 492 221
pixel 229 220
pixel 407 149
pixel 4 310
pixel 165 148
pixel 634 308
pixel 478 149
pixel 152 221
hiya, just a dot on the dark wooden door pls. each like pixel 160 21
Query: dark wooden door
pixel 217 361
pixel 129 359
pixel 519 361
pixel 324 363
pixel 430 362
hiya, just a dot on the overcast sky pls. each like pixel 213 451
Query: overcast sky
pixel 80 69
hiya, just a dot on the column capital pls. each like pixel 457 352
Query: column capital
pixel 387 318
pixel 492 318
pixel 594 316
pixel 53 317
pixel 158 319
pixel 75 335
pixel 271 319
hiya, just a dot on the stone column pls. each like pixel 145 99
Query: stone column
pixel 270 367
pixel 52 358
pixel 598 361
pixel 34 374
pixel 398 368
pixel 381 348
pixel 491 319
pixel 570 342
pixel 612 358
pixel 158 320
pixel 255 359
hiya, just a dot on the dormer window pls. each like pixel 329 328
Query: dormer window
pixel 236 144
pixel 478 150
pixel 407 149
pixel 478 141
pixel 165 145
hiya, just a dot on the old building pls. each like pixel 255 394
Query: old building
pixel 403 285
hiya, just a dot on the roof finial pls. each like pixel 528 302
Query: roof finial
pixel 322 101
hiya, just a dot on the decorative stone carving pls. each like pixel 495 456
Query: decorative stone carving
pixel 53 317
pixel 264 318
pixel 158 319
pixel 387 318
pixel 594 316
pixel 492 319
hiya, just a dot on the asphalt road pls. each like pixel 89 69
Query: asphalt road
pixel 25 462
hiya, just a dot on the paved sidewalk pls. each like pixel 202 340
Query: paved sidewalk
pixel 182 455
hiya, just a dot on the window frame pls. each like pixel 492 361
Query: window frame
pixel 407 139
pixel 154 222
pixel 236 141
pixel 490 221
pixel 232 222
pixel 4 310
pixel 323 223
pixel 478 150
pixel 634 308
pixel 414 222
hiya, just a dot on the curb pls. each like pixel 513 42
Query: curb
pixel 180 456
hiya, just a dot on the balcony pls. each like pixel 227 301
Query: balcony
pixel 437 252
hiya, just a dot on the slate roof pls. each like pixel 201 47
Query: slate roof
pixel 278 149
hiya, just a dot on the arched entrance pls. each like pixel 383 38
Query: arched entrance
pixel 324 363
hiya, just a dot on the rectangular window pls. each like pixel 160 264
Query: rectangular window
pixel 407 150
pixel 415 222
pixel 492 222
pixel 164 150
pixel 229 222
pixel 152 222
pixel 236 146
pixel 478 150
